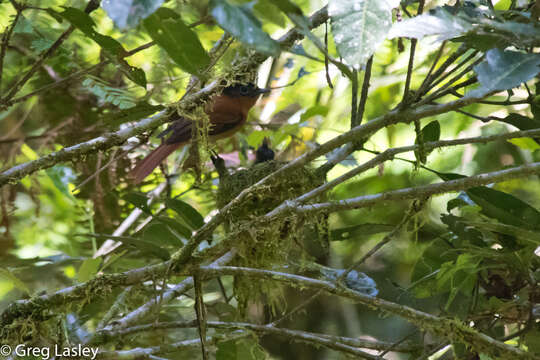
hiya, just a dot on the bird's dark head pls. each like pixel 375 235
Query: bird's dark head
pixel 244 90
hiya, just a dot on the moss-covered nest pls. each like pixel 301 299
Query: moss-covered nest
pixel 260 243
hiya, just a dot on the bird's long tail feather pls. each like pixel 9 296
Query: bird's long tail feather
pixel 151 161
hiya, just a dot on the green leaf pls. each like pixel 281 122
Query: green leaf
pixel 430 132
pixel 128 13
pixel 464 232
pixel 314 110
pixel 145 247
pixel 500 205
pixel 484 42
pixel 179 41
pixel 240 22
pixel 525 143
pixel 41 44
pixel 521 122
pixel 505 207
pixel 288 7
pixel 139 111
pixel 438 21
pixel 138 200
pixel 458 277
pixel 135 74
pixel 158 233
pixel 427 267
pixel 255 138
pixel 359 27
pixel 84 22
pixel 528 237
pixel 175 226
pixel 88 269
pixel 186 212
pixel 23 26
pixel 502 70
pixel 268 10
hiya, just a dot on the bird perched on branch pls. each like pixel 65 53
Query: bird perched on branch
pixel 227 113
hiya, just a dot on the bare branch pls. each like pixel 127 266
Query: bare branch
pixel 421 191
pixel 450 329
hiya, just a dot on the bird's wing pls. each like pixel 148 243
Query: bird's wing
pixel 223 126
pixel 180 131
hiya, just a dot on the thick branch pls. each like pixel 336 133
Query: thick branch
pixel 450 329
pixel 107 141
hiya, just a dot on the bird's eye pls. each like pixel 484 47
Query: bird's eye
pixel 244 90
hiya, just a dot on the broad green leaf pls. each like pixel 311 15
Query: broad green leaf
pixel 314 110
pixel 175 226
pixel 505 207
pixel 288 7
pixel 458 277
pixel 84 22
pixel 359 27
pixel 88 269
pixel 499 205
pixel 183 46
pixel 191 216
pixel 128 13
pixel 438 21
pixel 160 234
pixel 521 122
pixel 502 70
pixel 135 74
pixel 139 200
pixel 484 42
pixel 525 143
pixel 430 132
pixel 465 233
pixel 529 237
pixel 267 9
pixel 23 26
pixel 255 138
pixel 139 111
pixel 145 247
pixel 240 22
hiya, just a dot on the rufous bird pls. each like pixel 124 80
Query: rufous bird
pixel 227 113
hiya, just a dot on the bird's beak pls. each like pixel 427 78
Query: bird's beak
pixel 263 91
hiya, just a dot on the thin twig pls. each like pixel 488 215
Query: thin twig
pixel 5 41
pixel 200 312
pixel 354 99
pixel 328 79
pixel 427 79
pixel 364 91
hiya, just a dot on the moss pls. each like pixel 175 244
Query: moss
pixel 261 244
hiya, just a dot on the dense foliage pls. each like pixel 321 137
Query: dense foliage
pixel 400 218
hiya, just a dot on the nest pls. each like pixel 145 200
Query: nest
pixel 260 243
